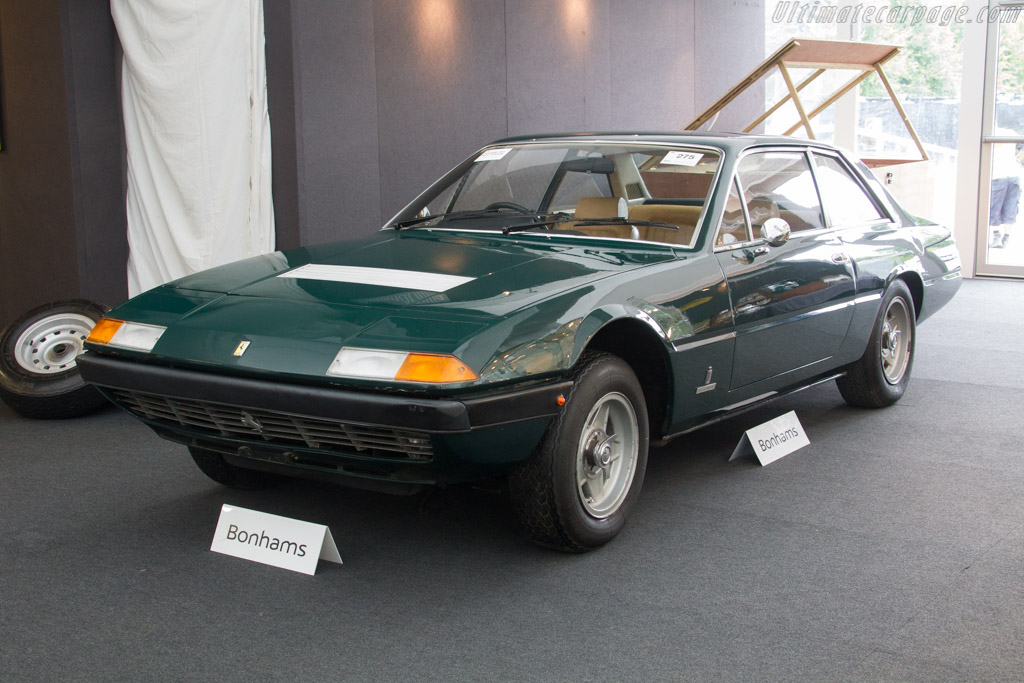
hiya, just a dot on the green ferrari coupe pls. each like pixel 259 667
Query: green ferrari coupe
pixel 540 316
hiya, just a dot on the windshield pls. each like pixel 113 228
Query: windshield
pixel 608 190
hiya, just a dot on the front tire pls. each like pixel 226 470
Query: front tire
pixel 880 377
pixel 580 486
pixel 39 376
pixel 215 467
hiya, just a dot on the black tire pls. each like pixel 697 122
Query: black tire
pixel 39 376
pixel 555 507
pixel 215 467
pixel 880 377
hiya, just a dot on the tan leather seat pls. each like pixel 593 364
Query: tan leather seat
pixel 602 207
pixel 685 217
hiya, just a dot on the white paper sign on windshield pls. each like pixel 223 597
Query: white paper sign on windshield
pixel 494 154
pixel 270 539
pixel 678 158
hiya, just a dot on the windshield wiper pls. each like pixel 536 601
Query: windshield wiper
pixel 467 214
pixel 414 221
pixel 555 219
pixel 400 225
pixel 619 220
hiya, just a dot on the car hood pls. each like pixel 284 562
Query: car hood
pixel 430 270
pixel 428 291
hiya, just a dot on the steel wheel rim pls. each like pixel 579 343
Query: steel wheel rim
pixel 51 345
pixel 895 341
pixel 606 456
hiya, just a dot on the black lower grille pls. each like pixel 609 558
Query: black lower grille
pixel 318 433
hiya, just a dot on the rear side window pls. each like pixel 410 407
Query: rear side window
pixel 779 185
pixel 845 200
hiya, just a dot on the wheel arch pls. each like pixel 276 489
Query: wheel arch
pixel 914 282
pixel 644 351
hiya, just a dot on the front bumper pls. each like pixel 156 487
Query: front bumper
pixel 362 438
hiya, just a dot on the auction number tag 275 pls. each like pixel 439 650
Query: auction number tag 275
pixel 270 539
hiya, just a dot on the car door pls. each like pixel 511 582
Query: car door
pixel 791 300
pixel 858 218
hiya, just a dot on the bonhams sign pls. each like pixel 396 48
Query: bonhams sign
pixel 277 541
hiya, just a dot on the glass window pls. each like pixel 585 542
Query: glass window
pixel 779 184
pixel 515 186
pixel 678 175
pixel 844 198
pixel 1004 203
pixel 520 176
pixel 575 186
pixel 734 222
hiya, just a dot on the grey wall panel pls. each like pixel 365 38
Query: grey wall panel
pixel 729 43
pixel 282 103
pixel 597 92
pixel 38 246
pixel 337 119
pixel 440 88
pixel 388 94
pixel 652 64
pixel 558 66
pixel 91 62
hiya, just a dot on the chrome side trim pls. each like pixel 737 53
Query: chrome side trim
pixel 802 316
pixel 833 307
pixel 755 399
pixel 874 296
pixel 704 342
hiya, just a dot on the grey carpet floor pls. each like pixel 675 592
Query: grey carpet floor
pixel 891 548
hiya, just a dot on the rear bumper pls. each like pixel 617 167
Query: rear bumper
pixel 323 432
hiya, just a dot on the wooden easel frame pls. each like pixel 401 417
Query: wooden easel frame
pixel 821 55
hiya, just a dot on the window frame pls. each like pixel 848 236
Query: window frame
pixel 460 174
pixel 809 153
pixel 884 218
pixel 756 239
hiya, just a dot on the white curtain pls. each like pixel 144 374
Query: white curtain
pixel 198 135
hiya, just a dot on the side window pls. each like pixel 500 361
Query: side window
pixel 734 222
pixel 779 184
pixel 844 198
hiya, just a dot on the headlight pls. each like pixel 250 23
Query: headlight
pixel 399 366
pixel 125 335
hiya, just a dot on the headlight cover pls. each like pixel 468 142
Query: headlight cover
pixel 126 335
pixel 399 366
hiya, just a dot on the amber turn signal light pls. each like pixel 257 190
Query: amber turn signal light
pixel 104 330
pixel 436 368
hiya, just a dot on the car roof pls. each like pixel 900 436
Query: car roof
pixel 729 141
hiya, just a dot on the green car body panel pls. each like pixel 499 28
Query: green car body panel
pixel 717 329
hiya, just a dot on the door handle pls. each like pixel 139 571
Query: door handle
pixel 748 255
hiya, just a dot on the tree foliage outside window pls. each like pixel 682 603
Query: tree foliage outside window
pixel 927 65
pixel 1011 58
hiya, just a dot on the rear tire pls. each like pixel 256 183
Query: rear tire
pixel 580 486
pixel 215 467
pixel 880 377
pixel 38 361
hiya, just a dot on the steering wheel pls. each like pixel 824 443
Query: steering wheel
pixel 507 205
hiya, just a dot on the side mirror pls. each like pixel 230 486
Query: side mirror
pixel 775 232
